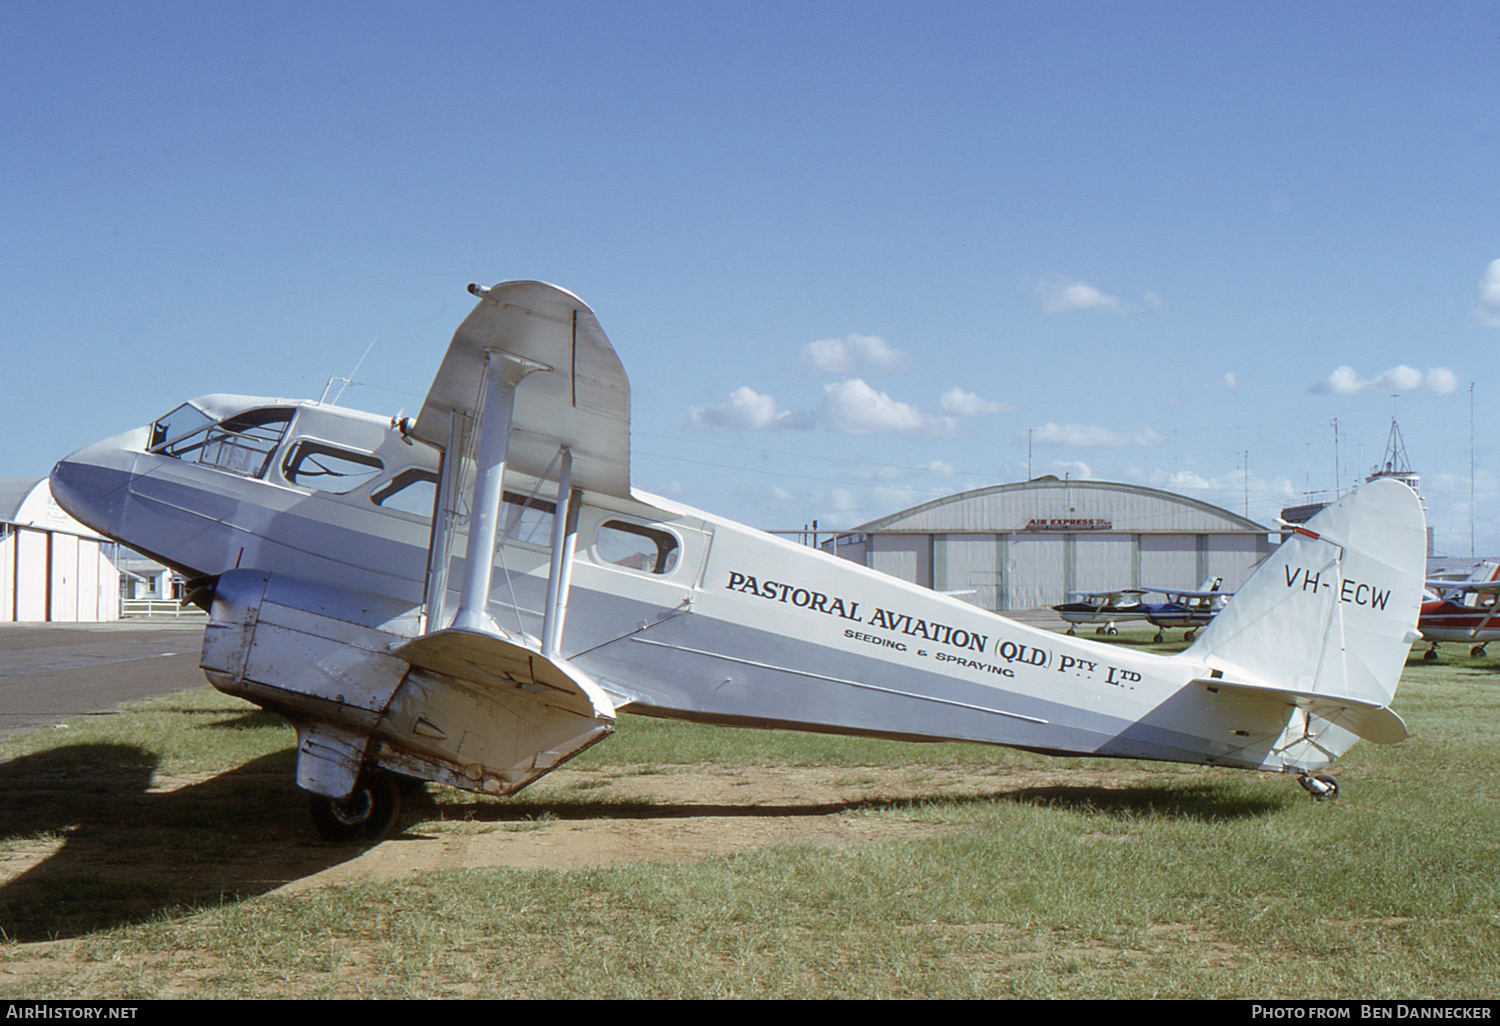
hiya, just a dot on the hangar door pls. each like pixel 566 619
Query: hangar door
pixel 1034 571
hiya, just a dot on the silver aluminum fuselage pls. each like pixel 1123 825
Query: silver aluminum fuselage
pixel 744 628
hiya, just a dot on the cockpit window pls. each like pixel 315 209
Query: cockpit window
pixel 184 420
pixel 326 468
pixel 241 444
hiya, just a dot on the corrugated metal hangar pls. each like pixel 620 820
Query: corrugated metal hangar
pixel 1027 545
pixel 52 568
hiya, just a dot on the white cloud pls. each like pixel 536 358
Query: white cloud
pixel 1231 380
pixel 966 404
pixel 1487 302
pixel 852 406
pixel 1073 470
pixel 1442 381
pixel 1346 380
pixel 1092 436
pixel 855 407
pixel 1227 490
pixel 746 410
pixel 842 355
pixel 1060 294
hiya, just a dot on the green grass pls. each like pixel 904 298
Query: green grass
pixel 1180 882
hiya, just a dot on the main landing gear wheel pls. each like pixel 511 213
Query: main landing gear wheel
pixel 369 811
pixel 1322 787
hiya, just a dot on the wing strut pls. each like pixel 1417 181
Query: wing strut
pixel 502 372
pixel 564 541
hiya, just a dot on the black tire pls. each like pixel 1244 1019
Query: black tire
pixel 369 811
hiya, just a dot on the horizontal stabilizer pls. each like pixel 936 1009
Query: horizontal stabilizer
pixel 489 660
pixel 1371 722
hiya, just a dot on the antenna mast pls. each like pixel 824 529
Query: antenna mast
pixel 350 379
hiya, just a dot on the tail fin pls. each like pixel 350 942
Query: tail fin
pixel 1333 611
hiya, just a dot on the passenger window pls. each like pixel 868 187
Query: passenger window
pixel 527 520
pixel 325 468
pixel 411 491
pixel 636 548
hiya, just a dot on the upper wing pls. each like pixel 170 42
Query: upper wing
pixel 581 400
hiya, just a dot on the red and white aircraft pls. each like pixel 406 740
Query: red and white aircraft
pixel 1464 610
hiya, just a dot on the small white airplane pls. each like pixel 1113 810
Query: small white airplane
pixel 1106 608
pixel 473 596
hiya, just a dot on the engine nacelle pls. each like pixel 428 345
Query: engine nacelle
pixel 321 655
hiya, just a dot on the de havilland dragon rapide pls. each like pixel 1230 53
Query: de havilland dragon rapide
pixel 473 596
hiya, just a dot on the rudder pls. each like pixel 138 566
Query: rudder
pixel 1333 611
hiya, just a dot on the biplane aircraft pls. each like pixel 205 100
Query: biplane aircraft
pixel 474 596
pixel 1463 610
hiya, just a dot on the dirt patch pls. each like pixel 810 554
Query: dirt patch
pixel 670 816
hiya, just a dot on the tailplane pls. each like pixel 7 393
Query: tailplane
pixel 1329 617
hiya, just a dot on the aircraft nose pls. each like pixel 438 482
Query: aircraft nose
pixel 92 485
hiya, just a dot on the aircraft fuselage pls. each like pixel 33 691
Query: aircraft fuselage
pixel 673 611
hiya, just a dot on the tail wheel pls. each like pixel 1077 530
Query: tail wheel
pixel 1322 787
pixel 369 811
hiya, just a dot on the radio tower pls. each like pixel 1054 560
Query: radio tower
pixel 1396 465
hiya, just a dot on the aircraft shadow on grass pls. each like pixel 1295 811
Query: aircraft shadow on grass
pixel 130 853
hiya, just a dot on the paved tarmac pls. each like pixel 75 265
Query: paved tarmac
pixel 50 672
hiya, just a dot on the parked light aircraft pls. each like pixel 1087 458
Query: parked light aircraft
pixel 1187 609
pixel 472 597
pixel 1105 608
pixel 1463 610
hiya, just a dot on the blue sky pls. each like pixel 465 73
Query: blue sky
pixel 854 256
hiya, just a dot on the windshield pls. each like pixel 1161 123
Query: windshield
pixel 241 444
pixel 184 420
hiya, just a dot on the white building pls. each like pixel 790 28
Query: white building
pixel 1027 545
pixel 52 568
